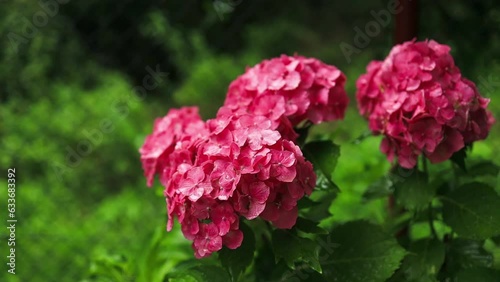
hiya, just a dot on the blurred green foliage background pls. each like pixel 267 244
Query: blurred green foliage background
pixel 71 121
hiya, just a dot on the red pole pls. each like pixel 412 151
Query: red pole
pixel 406 21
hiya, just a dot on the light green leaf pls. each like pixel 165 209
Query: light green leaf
pixel 236 261
pixel 294 249
pixel 473 211
pixel 364 252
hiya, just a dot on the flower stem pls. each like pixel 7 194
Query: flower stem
pixel 424 165
pixel 431 222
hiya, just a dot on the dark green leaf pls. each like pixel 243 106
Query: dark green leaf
pixel 305 203
pixel 459 158
pixel 473 211
pixel 302 274
pixel 424 260
pixel 496 239
pixel 265 265
pixel 363 253
pixel 303 132
pixel 478 274
pixel 414 192
pixel 323 155
pixel 497 188
pixel 309 226
pixel 200 273
pixel 465 253
pixel 325 183
pixel 320 211
pixel 379 189
pixel 236 261
pixel 294 249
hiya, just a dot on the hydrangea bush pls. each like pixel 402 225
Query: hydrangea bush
pixel 245 187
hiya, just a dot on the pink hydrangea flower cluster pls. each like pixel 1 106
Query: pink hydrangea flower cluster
pixel 418 99
pixel 228 167
pixel 243 163
pixel 289 90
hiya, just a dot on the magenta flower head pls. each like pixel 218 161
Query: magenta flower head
pixel 289 90
pixel 418 99
pixel 217 172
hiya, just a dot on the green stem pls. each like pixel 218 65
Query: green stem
pixel 424 164
pixel 431 222
pixel 454 184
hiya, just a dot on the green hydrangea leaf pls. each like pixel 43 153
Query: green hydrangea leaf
pixel 324 156
pixel 414 192
pixel 294 249
pixel 473 211
pixel 309 226
pixel 364 252
pixel 237 260
pixel 424 260
pixel 478 274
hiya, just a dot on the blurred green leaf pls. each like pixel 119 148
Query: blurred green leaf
pixel 294 249
pixel 484 168
pixel 201 273
pixel 362 136
pixel 237 260
pixel 383 187
pixel 496 239
pixel 497 188
pixel 473 211
pixel 478 274
pixel 364 253
pixel 114 267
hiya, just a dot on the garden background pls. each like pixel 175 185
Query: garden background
pixel 77 100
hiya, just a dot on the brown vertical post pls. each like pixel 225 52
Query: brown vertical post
pixel 406 28
pixel 406 21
